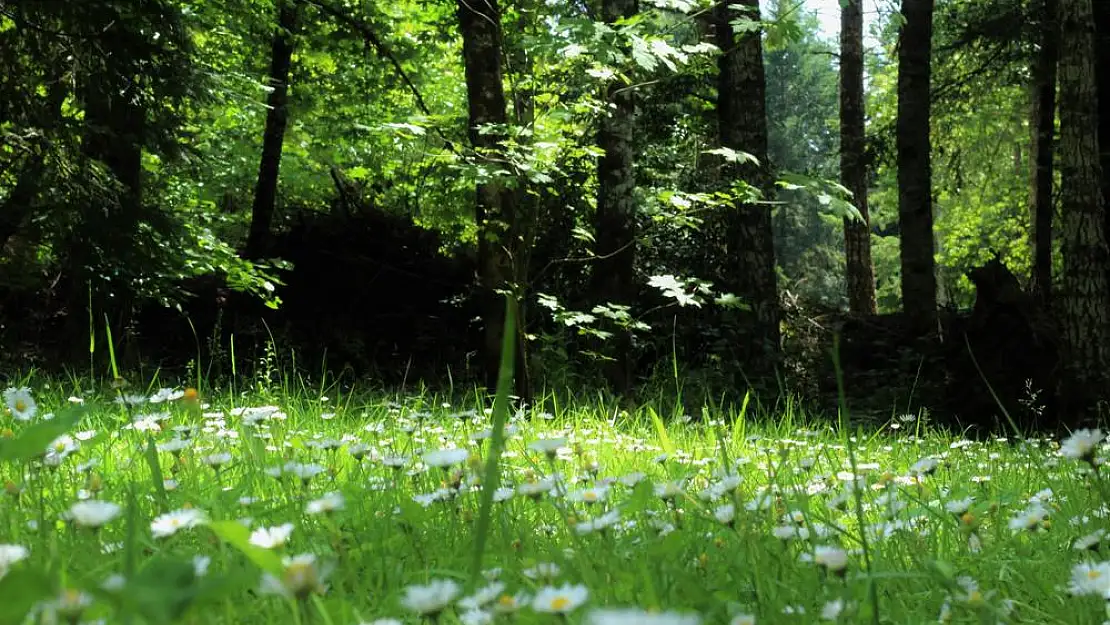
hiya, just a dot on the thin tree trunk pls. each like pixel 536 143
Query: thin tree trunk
pixel 612 279
pixel 273 137
pixel 742 126
pixel 853 166
pixel 1084 297
pixel 480 25
pixel 915 203
pixel 1041 206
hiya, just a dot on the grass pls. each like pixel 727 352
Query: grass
pixel 723 520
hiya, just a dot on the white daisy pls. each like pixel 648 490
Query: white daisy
pixel 20 403
pixel 270 537
pixel 1082 444
pixel 329 503
pixel 1090 579
pixel 93 513
pixel 431 598
pixel 561 600
pixel 169 523
pixel 636 616
pixel 303 576
pixel 446 458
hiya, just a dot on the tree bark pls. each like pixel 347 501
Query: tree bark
pixel 612 278
pixel 273 136
pixel 853 164
pixel 1041 205
pixel 1102 72
pixel 1083 300
pixel 742 126
pixel 480 25
pixel 915 204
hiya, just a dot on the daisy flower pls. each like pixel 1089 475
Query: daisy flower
pixel 93 513
pixel 561 600
pixel 833 559
pixel 20 403
pixel 543 570
pixel 169 523
pixel 270 537
pixel 11 554
pixel 549 446
pixel 1082 444
pixel 475 617
pixel 446 458
pixel 303 576
pixel 1029 519
pixel 1090 578
pixel 329 503
pixel 636 616
pixel 430 599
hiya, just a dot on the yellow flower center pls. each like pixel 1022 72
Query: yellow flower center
pixel 20 405
pixel 974 597
pixel 506 601
pixel 590 496
pixel 967 518
pixel 1094 574
pixel 560 603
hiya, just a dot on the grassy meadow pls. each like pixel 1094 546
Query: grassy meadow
pixel 165 506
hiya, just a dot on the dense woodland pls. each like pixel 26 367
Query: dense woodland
pixel 665 189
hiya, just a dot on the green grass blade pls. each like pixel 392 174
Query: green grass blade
pixel 497 440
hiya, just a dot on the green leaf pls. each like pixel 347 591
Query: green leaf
pixel 163 590
pixel 238 536
pixel 32 442
pixel 19 591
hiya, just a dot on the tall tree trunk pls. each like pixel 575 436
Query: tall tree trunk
pixel 1102 72
pixel 853 164
pixel 480 25
pixel 915 202
pixel 1084 296
pixel 742 126
pixel 612 279
pixel 1041 206
pixel 273 137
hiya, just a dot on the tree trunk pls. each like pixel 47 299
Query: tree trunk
pixel 1102 72
pixel 1083 300
pixel 273 137
pixel 1041 205
pixel 742 126
pixel 915 203
pixel 480 25
pixel 612 278
pixel 853 165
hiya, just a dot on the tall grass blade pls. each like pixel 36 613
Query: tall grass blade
pixel 492 474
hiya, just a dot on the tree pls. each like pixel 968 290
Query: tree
pixel 277 118
pixel 1084 296
pixel 1043 127
pixel 480 25
pixel 613 275
pixel 915 205
pixel 853 163
pixel 749 251
pixel 1102 73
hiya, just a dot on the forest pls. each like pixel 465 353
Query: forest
pixel 587 312
pixel 356 187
